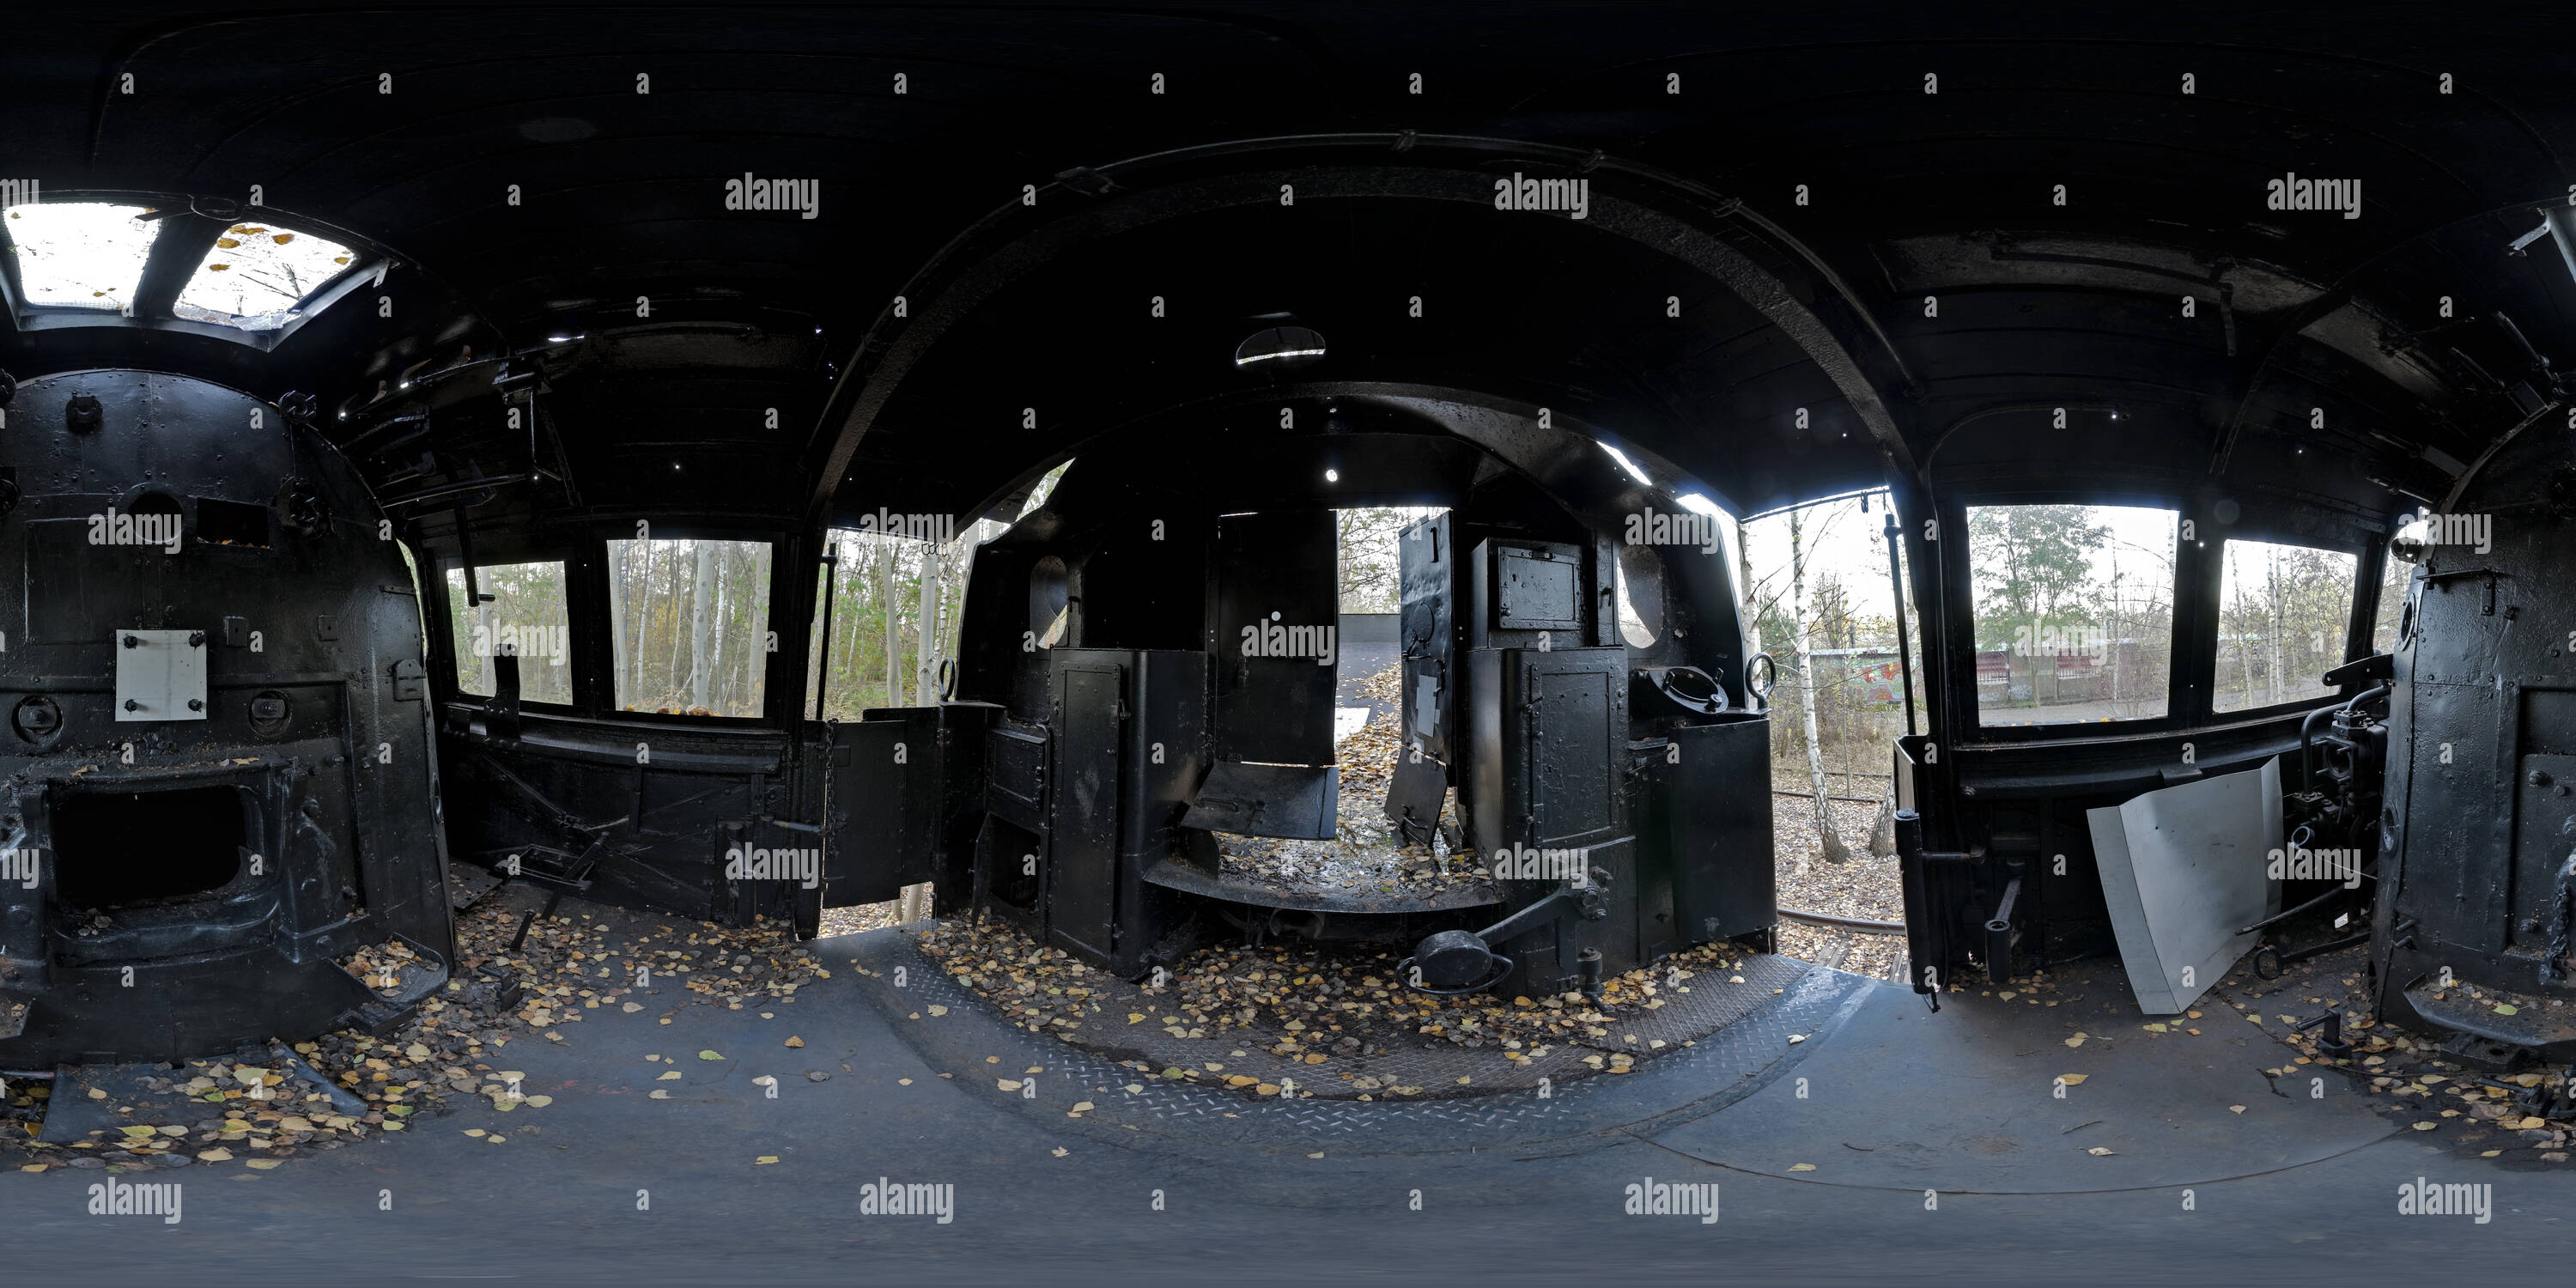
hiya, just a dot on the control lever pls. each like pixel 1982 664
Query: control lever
pixel 2333 1044
pixel 1451 963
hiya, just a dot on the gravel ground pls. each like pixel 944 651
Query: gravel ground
pixel 859 916
pixel 1367 859
pixel 1864 885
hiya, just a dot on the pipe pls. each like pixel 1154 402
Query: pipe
pixel 1909 827
pixel 2307 735
pixel 2307 728
pixel 1927 950
pixel 1860 924
pixel 831 583
pixel 1896 584
pixel 1999 933
pixel 2278 917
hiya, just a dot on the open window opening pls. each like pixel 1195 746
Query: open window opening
pixel 2074 612
pixel 894 605
pixel 689 624
pixel 91 255
pixel 81 254
pixel 2282 614
pixel 256 276
pixel 2394 576
pixel 522 614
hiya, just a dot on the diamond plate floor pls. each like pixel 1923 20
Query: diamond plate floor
pixel 1723 1066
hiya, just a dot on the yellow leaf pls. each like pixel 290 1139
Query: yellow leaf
pixel 710 1055
pixel 2426 1126
pixel 2098 1152
pixel 218 1154
pixel 764 1160
pixel 227 243
pixel 1134 1018
pixel 2073 1079
pixel 2077 1040
pixel 798 1042
pixel 1084 1107
pixel 1007 1084
pixel 265 1164
pixel 672 1076
pixel 1059 1151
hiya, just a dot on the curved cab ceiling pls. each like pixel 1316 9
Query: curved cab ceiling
pixel 2257 253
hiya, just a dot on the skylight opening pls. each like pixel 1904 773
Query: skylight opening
pixel 257 274
pixel 81 254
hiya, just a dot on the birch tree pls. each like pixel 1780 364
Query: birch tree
pixel 1834 849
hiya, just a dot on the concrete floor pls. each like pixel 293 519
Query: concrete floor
pixel 1883 1099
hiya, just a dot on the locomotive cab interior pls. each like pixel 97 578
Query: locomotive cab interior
pixel 1213 597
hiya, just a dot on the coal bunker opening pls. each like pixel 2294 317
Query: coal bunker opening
pixel 118 849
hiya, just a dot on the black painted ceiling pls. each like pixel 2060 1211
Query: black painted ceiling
pixel 2319 368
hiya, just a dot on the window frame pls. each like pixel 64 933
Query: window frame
pixel 1959 569
pixel 775 710
pixel 447 627
pixel 177 252
pixel 2352 619
pixel 2198 577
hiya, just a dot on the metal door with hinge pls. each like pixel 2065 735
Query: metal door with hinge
pixel 881 817
pixel 1081 878
pixel 1273 637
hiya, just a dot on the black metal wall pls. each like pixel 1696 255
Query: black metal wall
pixel 199 868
